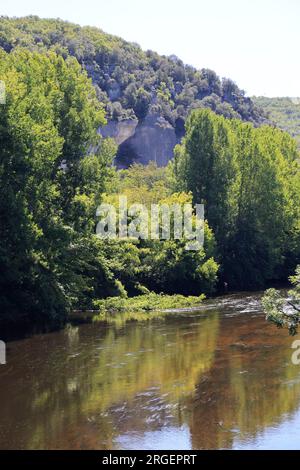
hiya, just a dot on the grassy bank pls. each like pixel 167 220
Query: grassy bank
pixel 142 307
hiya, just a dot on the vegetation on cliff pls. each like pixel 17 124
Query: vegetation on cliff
pixel 128 81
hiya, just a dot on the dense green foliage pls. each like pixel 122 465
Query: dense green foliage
pixel 51 184
pixel 165 265
pixel 46 127
pixel 284 311
pixel 147 184
pixel 129 81
pixel 55 169
pixel 249 181
pixel 284 112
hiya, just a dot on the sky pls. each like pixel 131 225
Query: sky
pixel 254 42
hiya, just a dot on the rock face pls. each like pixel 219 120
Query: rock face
pixel 119 130
pixel 152 139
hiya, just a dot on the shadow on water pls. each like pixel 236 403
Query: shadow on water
pixel 221 377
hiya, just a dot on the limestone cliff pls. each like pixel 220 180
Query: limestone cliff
pixel 120 131
pixel 151 139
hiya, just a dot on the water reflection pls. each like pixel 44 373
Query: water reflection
pixel 221 378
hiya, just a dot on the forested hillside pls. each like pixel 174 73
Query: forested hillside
pixel 133 84
pixel 129 81
pixel 284 112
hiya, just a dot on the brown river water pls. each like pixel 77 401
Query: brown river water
pixel 218 378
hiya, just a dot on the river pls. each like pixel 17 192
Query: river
pixel 218 378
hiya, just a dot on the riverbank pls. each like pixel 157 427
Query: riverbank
pixel 119 310
pixel 139 308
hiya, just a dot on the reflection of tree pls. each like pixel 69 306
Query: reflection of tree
pixel 81 383
pixel 170 359
pixel 85 387
pixel 251 386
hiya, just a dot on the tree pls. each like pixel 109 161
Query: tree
pixel 167 266
pixel 248 180
pixel 205 165
pixel 161 265
pixel 47 126
pixel 284 311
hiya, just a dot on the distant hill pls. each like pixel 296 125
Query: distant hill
pixel 147 96
pixel 284 112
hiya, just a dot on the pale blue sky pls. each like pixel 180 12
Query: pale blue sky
pixel 254 42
